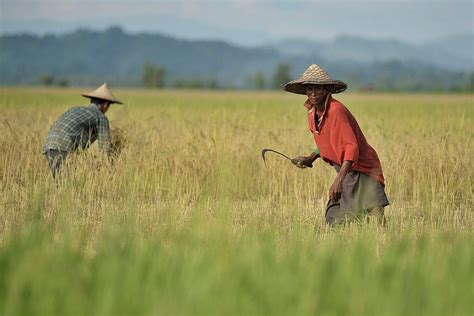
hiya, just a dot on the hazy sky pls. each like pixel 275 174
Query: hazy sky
pixel 247 22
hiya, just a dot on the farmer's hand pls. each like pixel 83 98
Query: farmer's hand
pixel 335 191
pixel 302 162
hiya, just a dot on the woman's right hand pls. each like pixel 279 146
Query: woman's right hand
pixel 303 162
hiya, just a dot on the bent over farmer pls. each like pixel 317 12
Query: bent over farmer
pixel 358 189
pixel 79 127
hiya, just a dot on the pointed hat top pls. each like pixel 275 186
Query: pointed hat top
pixel 103 92
pixel 315 75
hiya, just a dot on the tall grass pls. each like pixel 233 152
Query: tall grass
pixel 188 219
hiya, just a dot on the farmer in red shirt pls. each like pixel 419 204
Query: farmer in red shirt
pixel 358 189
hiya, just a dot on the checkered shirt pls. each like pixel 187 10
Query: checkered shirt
pixel 79 127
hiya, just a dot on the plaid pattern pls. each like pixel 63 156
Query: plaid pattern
pixel 79 127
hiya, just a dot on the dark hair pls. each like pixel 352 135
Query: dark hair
pixel 99 101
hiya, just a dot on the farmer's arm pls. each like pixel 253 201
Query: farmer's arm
pixel 104 136
pixel 336 187
pixel 344 142
pixel 314 155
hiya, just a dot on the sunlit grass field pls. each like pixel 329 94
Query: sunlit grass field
pixel 189 220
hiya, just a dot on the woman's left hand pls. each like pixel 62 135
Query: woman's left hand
pixel 335 191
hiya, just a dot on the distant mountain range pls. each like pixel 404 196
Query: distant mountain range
pixel 452 53
pixel 87 57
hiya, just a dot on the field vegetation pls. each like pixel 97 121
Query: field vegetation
pixel 189 220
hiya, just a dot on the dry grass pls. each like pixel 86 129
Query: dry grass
pixel 192 166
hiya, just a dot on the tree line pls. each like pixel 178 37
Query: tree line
pixel 154 76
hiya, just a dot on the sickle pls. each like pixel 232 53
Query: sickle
pixel 276 152
pixel 264 151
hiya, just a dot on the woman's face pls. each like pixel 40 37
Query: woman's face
pixel 104 106
pixel 316 94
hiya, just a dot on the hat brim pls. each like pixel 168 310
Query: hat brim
pixel 299 87
pixel 90 95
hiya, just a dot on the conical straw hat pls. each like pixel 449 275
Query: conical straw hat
pixel 103 92
pixel 315 75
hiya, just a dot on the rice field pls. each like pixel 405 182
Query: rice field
pixel 188 220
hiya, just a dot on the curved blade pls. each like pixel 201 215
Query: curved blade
pixel 264 151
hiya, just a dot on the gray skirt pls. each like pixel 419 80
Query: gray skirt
pixel 360 193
